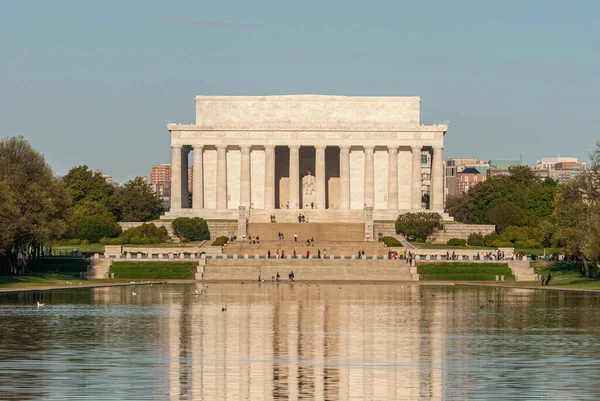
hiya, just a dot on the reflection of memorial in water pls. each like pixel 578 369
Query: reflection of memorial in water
pixel 299 342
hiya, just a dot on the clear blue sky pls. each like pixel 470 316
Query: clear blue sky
pixel 92 82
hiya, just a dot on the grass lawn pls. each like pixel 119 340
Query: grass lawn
pixel 464 271
pixel 565 275
pixel 94 248
pixel 47 280
pixel 154 270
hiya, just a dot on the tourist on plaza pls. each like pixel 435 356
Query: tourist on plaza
pixel 277 257
pixel 312 241
pixel 282 254
pixel 259 276
pixel 548 279
pixel 291 276
pixel 324 253
pixel 447 255
pixel 319 254
pixel 277 277
pixel 300 218
pixel 453 255
pixel 294 255
pixel 295 237
pixel 543 278
pixel 269 254
pixel 307 254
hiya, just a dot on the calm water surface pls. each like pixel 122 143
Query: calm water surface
pixel 379 342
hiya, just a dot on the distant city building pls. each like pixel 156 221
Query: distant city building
pixel 160 180
pixel 559 168
pixel 468 178
pixel 456 166
pixel 106 177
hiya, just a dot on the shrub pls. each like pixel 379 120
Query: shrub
pixel 457 242
pixel 420 225
pixel 190 229
pixel 391 241
pixel 498 243
pixel 476 239
pixel 490 238
pixel 141 235
pixel 530 243
pixel 85 242
pixel 92 221
pixel 220 241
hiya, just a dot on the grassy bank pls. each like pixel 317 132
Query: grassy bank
pixel 154 270
pixel 464 272
pixel 566 275
pixel 37 280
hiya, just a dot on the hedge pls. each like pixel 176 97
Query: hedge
pixel 391 241
pixel 220 241
pixel 457 242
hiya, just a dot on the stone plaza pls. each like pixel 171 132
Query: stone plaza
pixel 332 158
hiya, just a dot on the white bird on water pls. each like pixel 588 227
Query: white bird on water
pixel 39 304
pixel 134 293
pixel 196 292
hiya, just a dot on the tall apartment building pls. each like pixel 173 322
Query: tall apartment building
pixel 160 179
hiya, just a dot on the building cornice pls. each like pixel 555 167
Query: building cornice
pixel 307 128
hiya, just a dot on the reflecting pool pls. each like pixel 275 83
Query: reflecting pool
pixel 323 342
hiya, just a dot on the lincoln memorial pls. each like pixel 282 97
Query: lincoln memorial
pixel 331 158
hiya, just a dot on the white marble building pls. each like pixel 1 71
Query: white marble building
pixel 334 156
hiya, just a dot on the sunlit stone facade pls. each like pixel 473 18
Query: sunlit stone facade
pixel 332 155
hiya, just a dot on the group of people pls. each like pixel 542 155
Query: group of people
pixel 273 219
pixel 279 255
pixel 276 278
pixel 302 218
pixel 254 240
pixel 547 282
pixel 497 255
pixel 280 236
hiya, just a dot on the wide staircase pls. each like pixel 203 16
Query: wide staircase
pixel 522 270
pixel 98 268
pixel 333 248
pixel 306 270
pixel 336 239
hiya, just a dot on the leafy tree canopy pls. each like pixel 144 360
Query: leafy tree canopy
pixel 190 229
pixel 420 225
pixel 92 221
pixel 32 203
pixel 136 202
pixel 86 186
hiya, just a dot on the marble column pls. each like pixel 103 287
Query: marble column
pixel 416 178
pixel 198 183
pixel 245 176
pixel 392 177
pixel 344 177
pixel 175 177
pixel 221 176
pixel 320 176
pixel 369 177
pixel 436 196
pixel 294 190
pixel 185 173
pixel 269 177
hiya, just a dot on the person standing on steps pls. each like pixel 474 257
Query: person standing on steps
pixel 277 277
pixel 269 254
pixel 295 237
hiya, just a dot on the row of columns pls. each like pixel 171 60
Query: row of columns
pixel 179 171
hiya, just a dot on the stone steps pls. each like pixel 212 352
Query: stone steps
pixel 522 270
pixel 99 268
pixel 459 230
pixel 318 231
pixel 333 248
pixel 319 269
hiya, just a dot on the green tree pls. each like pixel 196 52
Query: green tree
pixel 577 216
pixel 190 229
pixel 136 201
pixel 86 186
pixel 507 214
pixel 92 221
pixel 33 204
pixel 420 225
